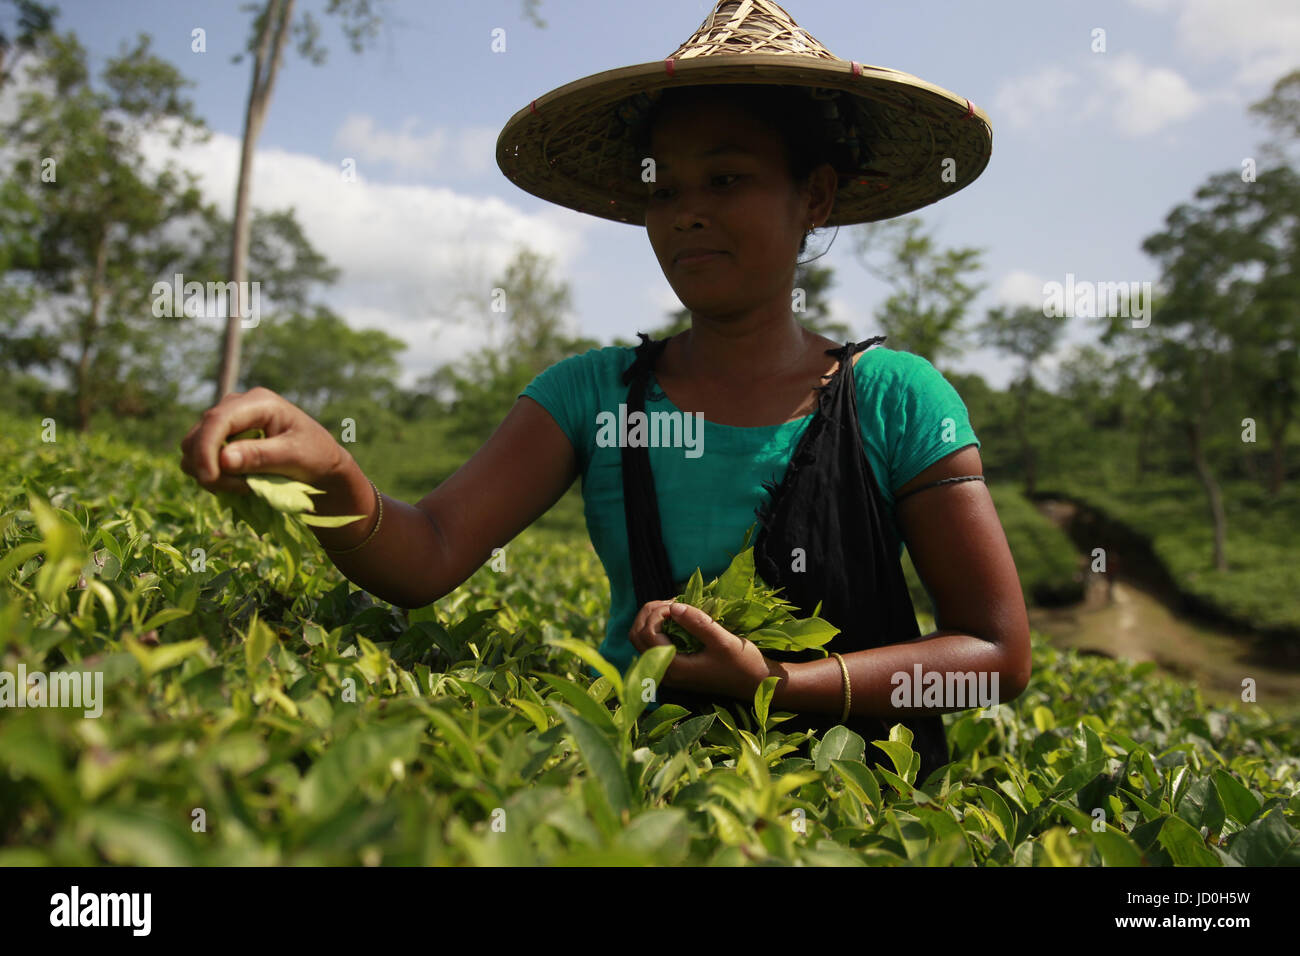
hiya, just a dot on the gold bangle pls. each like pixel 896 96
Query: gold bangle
pixel 848 688
pixel 379 498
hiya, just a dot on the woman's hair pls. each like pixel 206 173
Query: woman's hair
pixel 814 129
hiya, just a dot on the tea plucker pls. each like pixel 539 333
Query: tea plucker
pixel 755 135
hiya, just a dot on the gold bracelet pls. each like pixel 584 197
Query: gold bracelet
pixel 848 688
pixel 379 498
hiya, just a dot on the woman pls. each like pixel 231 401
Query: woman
pixel 825 445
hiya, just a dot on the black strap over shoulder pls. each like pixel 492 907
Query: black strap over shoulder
pixel 824 536
pixel 651 573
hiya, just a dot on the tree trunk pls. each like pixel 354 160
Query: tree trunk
pixel 1250 465
pixel 1215 499
pixel 84 405
pixel 1026 448
pixel 1140 465
pixel 278 16
pixel 1278 442
pixel 1144 426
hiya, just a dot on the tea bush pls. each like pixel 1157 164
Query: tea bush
pixel 259 709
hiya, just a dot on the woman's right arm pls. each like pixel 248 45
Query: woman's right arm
pixel 420 552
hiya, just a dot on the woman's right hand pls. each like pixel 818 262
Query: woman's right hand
pixel 296 445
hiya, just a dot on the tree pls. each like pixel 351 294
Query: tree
pixel 528 331
pixel 19 254
pixel 931 289
pixel 1268 218
pixel 1280 112
pixel 100 222
pixel 1206 307
pixel 290 268
pixel 33 24
pixel 271 29
pixel 1027 334
pixel 317 361
pixel 1106 387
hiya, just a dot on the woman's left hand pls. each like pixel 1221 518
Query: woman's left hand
pixel 727 664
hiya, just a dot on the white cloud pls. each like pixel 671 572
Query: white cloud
pixel 1138 99
pixel 1261 37
pixel 1142 99
pixel 438 151
pixel 1022 100
pixel 1018 287
pixel 413 260
pixel 664 298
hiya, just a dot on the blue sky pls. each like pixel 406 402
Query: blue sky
pixel 1090 149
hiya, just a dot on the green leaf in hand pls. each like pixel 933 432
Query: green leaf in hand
pixel 277 494
pixel 283 494
pixel 742 602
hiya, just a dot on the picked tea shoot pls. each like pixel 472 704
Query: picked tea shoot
pixel 276 494
pixel 740 601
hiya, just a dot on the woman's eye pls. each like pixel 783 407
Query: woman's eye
pixel 657 194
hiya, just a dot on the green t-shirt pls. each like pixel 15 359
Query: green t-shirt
pixel 708 489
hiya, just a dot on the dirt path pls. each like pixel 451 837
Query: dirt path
pixel 1124 618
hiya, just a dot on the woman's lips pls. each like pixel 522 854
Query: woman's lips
pixel 704 257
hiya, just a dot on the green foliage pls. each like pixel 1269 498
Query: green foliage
pixel 741 602
pixel 88 233
pixel 932 287
pixel 344 367
pixel 529 329
pixel 259 710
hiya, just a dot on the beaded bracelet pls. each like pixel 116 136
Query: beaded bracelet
pixel 848 688
pixel 379 498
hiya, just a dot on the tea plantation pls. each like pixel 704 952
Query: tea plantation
pixel 259 709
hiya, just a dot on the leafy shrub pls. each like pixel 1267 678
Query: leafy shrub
pixel 258 709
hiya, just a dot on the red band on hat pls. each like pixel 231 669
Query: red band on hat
pixel 668 65
pixel 856 67
pixel 970 109
pixel 532 107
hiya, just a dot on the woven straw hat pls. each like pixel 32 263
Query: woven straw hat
pixel 575 147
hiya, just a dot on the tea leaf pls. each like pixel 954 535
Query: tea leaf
pixel 745 605
pixel 736 581
pixel 599 756
pixel 329 521
pixel 283 494
pixel 838 743
pixel 763 698
pixel 694 590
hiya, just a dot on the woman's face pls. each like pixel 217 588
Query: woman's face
pixel 722 182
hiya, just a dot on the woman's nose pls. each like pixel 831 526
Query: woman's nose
pixel 690 207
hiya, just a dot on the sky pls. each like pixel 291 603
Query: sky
pixel 1091 148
